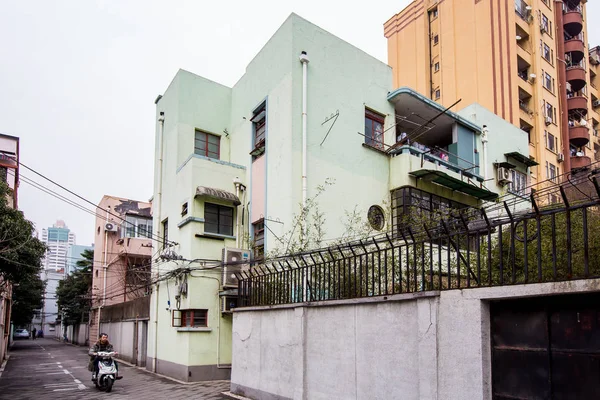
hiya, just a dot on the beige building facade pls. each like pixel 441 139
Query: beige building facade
pixel 527 61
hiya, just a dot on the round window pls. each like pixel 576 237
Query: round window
pixel 376 217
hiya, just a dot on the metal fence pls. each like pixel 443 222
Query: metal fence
pixel 556 239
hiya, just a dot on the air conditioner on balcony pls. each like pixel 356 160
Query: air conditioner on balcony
pixel 234 261
pixel 532 77
pixel 228 303
pixel 110 227
pixel 560 157
pixel 548 120
pixel 504 176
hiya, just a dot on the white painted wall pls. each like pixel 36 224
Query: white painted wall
pixel 433 345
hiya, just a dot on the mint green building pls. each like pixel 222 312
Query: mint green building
pixel 313 122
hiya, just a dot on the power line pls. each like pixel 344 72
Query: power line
pixel 155 237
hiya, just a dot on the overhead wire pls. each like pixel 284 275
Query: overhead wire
pixel 154 237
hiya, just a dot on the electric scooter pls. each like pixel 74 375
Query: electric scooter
pixel 107 371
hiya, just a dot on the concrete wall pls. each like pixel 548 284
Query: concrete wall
pixel 433 345
pixel 129 338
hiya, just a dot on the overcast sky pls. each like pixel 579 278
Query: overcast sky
pixel 79 79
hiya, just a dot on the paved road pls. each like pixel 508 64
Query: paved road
pixel 48 369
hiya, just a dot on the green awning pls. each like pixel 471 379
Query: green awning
pixel 515 155
pixel 446 180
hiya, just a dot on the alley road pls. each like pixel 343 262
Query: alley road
pixel 48 369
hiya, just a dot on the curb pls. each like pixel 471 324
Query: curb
pixel 4 364
pixel 233 396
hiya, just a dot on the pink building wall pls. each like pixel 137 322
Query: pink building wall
pixel 117 252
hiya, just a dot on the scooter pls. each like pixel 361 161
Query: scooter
pixel 107 371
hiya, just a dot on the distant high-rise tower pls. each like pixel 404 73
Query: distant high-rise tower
pixel 58 238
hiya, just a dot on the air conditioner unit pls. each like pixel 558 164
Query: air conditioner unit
pixel 504 176
pixel 595 60
pixel 532 77
pixel 548 120
pixel 234 261
pixel 228 303
pixel 596 103
pixel 110 227
pixel 560 157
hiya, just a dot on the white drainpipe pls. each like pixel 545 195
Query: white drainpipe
pixel 158 201
pixel 105 269
pixel 304 60
pixel 484 140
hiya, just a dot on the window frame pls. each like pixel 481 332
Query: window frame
pixel 207 137
pixel 550 138
pixel 370 137
pixel 436 39
pixel 180 318
pixel 520 179
pixel 259 130
pixel 436 66
pixel 258 234
pixel 132 222
pixel 437 94
pixel 165 233
pixel 218 213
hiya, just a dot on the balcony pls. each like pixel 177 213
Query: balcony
pixel 580 162
pixel 523 11
pixel 576 49
pixel 579 135
pixel 576 77
pixel 577 104
pixel 573 22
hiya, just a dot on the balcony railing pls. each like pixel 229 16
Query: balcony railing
pixel 439 157
pixel 567 8
pixel 523 106
pixel 522 10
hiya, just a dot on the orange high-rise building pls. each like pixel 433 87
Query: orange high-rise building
pixel 528 61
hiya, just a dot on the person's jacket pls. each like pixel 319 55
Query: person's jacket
pixel 95 349
pixel 100 347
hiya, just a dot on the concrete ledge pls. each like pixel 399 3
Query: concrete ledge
pixel 244 392
pixel 345 302
pixel 531 289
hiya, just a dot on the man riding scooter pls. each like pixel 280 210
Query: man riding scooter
pixel 101 345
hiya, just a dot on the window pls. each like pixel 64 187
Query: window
pixel 438 93
pixel 518 184
pixel 259 128
pixel 207 145
pixel 218 219
pixel 546 52
pixel 436 66
pixel 190 318
pixel 374 129
pixel 258 228
pixel 184 209
pixel 165 232
pixel 548 82
pixel 551 141
pixel 3 174
pixel 433 14
pixel 551 171
pixel 137 227
pixel 546 25
pixel 549 111
pixel 436 39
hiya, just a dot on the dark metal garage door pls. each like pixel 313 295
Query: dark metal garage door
pixel 546 348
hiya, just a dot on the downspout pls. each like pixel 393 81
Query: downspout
pixel 304 60
pixel 105 269
pixel 161 127
pixel 562 83
pixel 237 183
pixel 484 141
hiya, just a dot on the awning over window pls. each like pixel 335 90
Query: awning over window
pixel 515 155
pixel 446 180
pixel 218 194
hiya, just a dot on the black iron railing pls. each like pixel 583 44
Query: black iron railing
pixel 557 239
